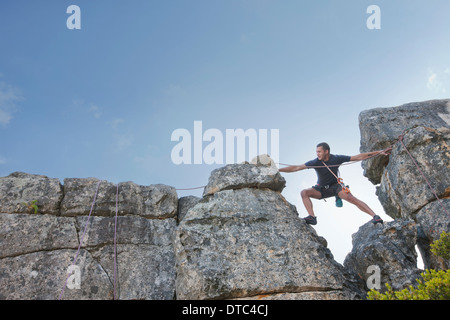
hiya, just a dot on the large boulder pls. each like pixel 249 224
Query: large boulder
pixel 390 248
pixel 403 191
pixel 422 128
pixel 36 250
pixel 20 190
pixel 244 240
pixel 433 220
pixel 154 201
pixel 381 127
pixel 235 176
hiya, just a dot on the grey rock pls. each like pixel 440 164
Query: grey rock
pixel 130 230
pixel 154 201
pixel 19 190
pixel 36 244
pixel 433 221
pixel 184 204
pixel 79 195
pixel 391 247
pixel 308 295
pixel 235 176
pixel 403 191
pixel 42 276
pixel 24 233
pixel 36 250
pixel 380 127
pixel 144 272
pixel 145 254
pixel 249 242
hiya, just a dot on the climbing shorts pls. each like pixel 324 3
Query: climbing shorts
pixel 328 191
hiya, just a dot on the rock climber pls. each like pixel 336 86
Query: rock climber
pixel 327 184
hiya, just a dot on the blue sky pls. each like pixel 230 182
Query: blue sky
pixel 104 100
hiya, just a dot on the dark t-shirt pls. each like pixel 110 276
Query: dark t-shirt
pixel 324 177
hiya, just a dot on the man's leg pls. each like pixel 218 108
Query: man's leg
pixel 307 194
pixel 353 200
pixel 361 205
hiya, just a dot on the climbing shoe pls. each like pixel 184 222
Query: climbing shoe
pixel 338 202
pixel 376 219
pixel 311 220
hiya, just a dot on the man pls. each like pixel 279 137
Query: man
pixel 327 184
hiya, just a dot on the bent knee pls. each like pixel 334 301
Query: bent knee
pixel 305 193
pixel 309 193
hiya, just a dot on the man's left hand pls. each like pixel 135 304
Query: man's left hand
pixel 386 151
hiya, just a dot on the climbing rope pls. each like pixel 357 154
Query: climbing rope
pixel 195 188
pixel 84 233
pixel 115 242
pixel 338 165
pixel 312 167
pixel 340 181
pixel 115 238
pixel 81 241
pixel 400 138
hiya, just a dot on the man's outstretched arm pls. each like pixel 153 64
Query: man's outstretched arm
pixel 293 168
pixel 367 155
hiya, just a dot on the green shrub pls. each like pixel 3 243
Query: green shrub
pixel 441 247
pixel 434 285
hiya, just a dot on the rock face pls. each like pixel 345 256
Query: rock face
pixel 402 190
pixel 389 247
pixel 153 202
pixel 19 189
pixel 245 240
pixel 380 127
pixel 237 176
pixel 241 240
pixel 184 204
pixel 37 249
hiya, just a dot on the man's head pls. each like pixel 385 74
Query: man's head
pixel 323 151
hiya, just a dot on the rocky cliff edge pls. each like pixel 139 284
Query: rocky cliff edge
pixel 241 240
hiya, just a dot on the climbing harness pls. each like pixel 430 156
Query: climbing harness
pixel 339 180
pixel 344 187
